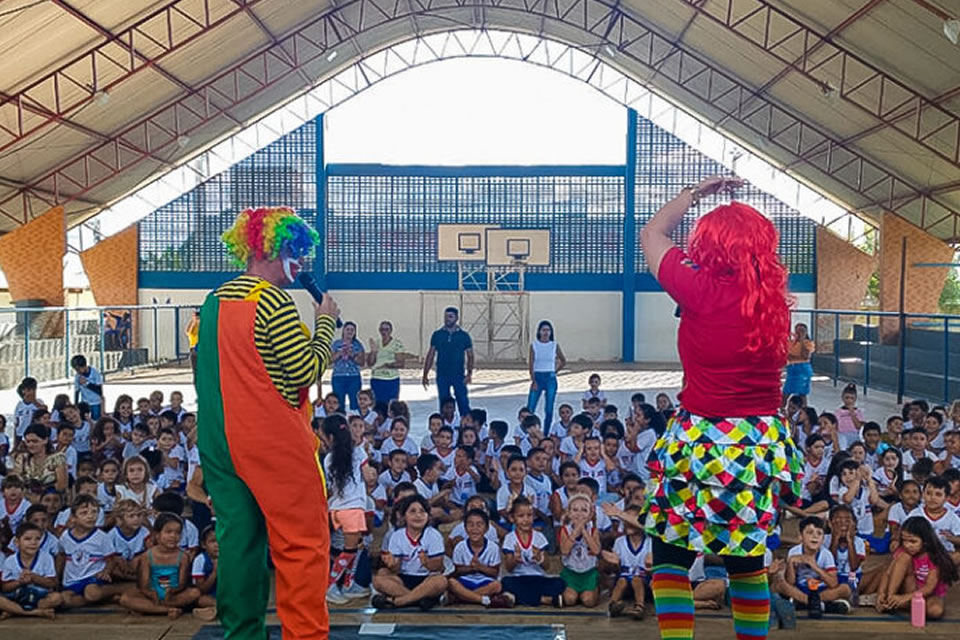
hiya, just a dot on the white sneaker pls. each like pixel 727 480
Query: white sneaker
pixel 335 596
pixel 354 591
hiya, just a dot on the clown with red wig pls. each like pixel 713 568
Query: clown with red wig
pixel 255 364
pixel 717 471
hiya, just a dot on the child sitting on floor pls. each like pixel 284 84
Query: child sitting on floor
pixel 847 548
pixel 523 557
pixel 204 574
pixel 459 532
pixel 83 555
pixel 413 561
pixel 163 580
pixel 631 553
pixel 29 578
pixel 920 564
pixel 811 574
pixel 580 546
pixel 476 564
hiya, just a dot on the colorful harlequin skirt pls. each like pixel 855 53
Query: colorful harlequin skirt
pixel 715 483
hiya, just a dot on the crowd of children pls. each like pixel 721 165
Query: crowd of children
pixel 114 528
pixel 480 511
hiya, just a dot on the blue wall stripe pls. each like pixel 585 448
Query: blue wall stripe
pixel 474 171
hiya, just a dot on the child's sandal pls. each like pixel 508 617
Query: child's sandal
pixel 638 612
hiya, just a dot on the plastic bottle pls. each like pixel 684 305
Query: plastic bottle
pixel 918 610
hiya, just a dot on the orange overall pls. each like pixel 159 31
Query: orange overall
pixel 260 465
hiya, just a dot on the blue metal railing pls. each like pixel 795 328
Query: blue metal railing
pixel 40 341
pixel 916 354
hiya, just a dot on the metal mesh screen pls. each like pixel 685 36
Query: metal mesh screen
pixel 185 234
pixel 387 222
pixel 666 164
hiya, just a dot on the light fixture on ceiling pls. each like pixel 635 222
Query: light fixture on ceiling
pixel 951 29
pixel 828 91
pixel 610 50
pixel 183 141
pixel 102 97
pixel 331 56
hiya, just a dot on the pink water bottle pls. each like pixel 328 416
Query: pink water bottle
pixel 918 610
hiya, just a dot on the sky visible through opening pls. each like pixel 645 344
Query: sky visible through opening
pixel 478 111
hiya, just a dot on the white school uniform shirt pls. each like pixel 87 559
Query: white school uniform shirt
pixel 81 437
pixel 16 516
pixel 600 394
pixel 883 481
pixel 526 566
pixel 425 490
pixel 64 516
pixel 86 557
pixel 568 446
pixel 564 497
pixel 388 482
pixel 579 559
pixel 604 523
pixel 174 474
pixel 842 556
pixel 597 471
pixel 860 505
pixel 626 458
pixel 948 522
pixel 810 469
pixel 559 429
pixel 70 455
pixel 824 561
pixel 897 514
pixel 193 461
pixel 408 550
pixel 493 451
pixel 353 495
pixel 23 416
pixel 126 547
pixel 447 461
pixel 542 487
pixel 426 443
pixel 144 498
pixel 632 561
pixel 503 494
pixel 646 439
pixel 489 555
pixel 106 500
pixel 197 570
pixel 130 449
pixel 909 460
pixel 379 493
pixel 460 531
pixel 954 460
pixel 408 445
pixel 464 486
pixel 42 565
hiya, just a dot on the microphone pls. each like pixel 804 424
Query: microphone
pixel 308 283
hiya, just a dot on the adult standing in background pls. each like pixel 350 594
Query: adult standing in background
pixel 87 385
pixel 193 336
pixel 348 358
pixel 452 347
pixel 799 369
pixel 546 359
pixel 385 359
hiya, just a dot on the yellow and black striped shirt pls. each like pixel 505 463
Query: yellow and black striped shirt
pixel 293 359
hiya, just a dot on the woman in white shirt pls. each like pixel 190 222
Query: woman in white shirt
pixel 546 359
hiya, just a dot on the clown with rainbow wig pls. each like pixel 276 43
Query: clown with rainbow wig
pixel 717 472
pixel 256 362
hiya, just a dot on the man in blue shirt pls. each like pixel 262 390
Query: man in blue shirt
pixel 88 385
pixel 451 346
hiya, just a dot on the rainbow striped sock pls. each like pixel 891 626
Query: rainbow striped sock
pixel 674 599
pixel 750 599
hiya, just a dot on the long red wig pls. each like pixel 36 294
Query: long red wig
pixel 735 242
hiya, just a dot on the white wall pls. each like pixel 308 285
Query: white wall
pixel 587 324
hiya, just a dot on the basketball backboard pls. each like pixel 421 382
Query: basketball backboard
pixel 511 246
pixel 462 242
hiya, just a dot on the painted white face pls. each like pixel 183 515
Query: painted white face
pixel 292 268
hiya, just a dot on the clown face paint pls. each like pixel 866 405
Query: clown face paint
pixel 291 268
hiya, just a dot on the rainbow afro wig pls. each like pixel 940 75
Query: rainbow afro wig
pixel 267 233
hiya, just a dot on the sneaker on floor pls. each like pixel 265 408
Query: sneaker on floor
pixel 355 591
pixel 335 596
pixel 501 601
pixel 426 604
pixel 616 608
pixel 841 607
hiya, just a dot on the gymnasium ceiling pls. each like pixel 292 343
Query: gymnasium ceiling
pixel 860 99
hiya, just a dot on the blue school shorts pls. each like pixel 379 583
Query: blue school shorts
pixel 474 582
pixel 80 585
